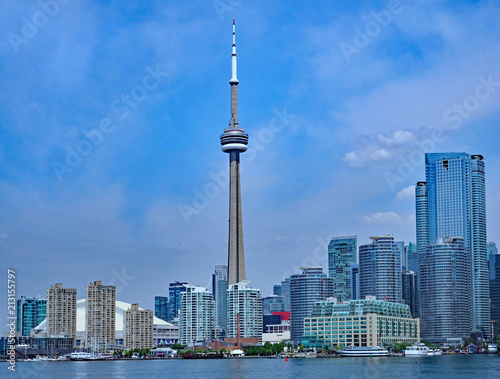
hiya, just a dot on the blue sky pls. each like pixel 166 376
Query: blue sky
pixel 340 99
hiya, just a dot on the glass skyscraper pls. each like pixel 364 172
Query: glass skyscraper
pixel 30 313
pixel 305 289
pixel 380 269
pixel 174 301
pixel 219 290
pixel 161 307
pixel 451 203
pixel 342 253
pixel 445 290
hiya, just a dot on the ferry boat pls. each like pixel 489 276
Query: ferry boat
pixel 492 348
pixel 417 350
pixel 363 352
pixel 80 356
pixel 308 354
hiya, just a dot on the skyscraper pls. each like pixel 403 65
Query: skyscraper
pixel 380 269
pixel 355 281
pixel 30 313
pixel 100 309
pixel 61 311
pixel 244 309
pixel 342 253
pixel 412 257
pixel 138 328
pixel 174 301
pixel 219 291
pixel 305 289
pixel 451 203
pixel 161 307
pixel 197 315
pixel 409 291
pixel 445 302
pixel 234 141
pixel 277 289
pixel 494 266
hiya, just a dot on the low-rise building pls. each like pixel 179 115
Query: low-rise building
pixel 360 323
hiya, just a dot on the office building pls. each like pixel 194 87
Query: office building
pixel 138 328
pixel 61 311
pixel 100 308
pixel 342 253
pixel 305 289
pixel 174 301
pixel 277 289
pixel 409 290
pixel 411 258
pixel 219 291
pixel 244 313
pixel 445 290
pixel 30 313
pixel 359 323
pixel 161 307
pixel 197 316
pixel 272 304
pixel 494 268
pixel 285 293
pixel 452 203
pixel 380 269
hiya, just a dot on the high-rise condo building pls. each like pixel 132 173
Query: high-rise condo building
pixel 234 141
pixel 272 304
pixel 61 311
pixel 342 253
pixel 277 289
pixel 174 302
pixel 100 308
pixel 30 313
pixel 411 258
pixel 244 309
pixel 219 291
pixel 305 289
pixel 452 203
pixel 380 269
pixel 445 301
pixel 138 328
pixel 285 293
pixel 409 291
pixel 197 316
pixel 161 307
pixel 355 281
pixel 494 266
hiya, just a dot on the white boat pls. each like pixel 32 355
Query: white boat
pixel 492 348
pixel 80 356
pixel 363 352
pixel 434 352
pixel 417 350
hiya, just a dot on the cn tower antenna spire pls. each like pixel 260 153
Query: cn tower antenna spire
pixel 233 80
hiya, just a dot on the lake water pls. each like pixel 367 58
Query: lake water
pixel 446 366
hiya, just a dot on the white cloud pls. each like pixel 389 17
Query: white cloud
pixel 383 217
pixel 406 194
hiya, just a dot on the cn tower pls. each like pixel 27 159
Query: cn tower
pixel 234 141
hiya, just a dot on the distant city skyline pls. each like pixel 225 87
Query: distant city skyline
pixel 111 163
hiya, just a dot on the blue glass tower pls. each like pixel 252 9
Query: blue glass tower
pixel 30 313
pixel 342 253
pixel 380 269
pixel 161 307
pixel 305 289
pixel 451 203
pixel 174 302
